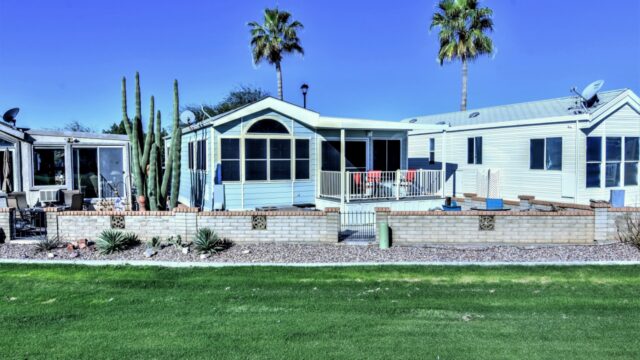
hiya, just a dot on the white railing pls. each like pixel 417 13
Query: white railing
pixel 368 185
pixel 330 184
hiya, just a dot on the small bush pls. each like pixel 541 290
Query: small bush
pixel 155 243
pixel 628 227
pixel 111 241
pixel 48 244
pixel 175 241
pixel 207 242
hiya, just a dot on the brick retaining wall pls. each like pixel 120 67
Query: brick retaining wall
pixel 487 227
pixel 281 226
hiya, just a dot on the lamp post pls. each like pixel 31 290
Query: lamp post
pixel 305 89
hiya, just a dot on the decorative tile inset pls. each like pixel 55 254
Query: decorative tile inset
pixel 117 222
pixel 259 222
pixel 487 223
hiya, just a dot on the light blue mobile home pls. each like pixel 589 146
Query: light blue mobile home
pixel 275 154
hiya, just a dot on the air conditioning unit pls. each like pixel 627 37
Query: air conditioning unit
pixel 48 196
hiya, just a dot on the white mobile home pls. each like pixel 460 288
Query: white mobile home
pixel 557 150
pixel 43 162
pixel 275 154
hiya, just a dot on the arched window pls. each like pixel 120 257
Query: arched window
pixel 268 126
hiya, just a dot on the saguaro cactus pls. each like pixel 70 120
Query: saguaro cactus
pixel 146 165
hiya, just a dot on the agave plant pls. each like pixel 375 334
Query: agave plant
pixel 47 244
pixel 111 241
pixel 207 242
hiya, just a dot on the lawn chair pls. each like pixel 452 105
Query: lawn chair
pixel 18 201
pixel 373 181
pixel 73 199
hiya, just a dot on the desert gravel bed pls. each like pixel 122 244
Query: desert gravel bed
pixel 292 253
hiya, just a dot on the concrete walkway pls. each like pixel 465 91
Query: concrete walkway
pixel 204 264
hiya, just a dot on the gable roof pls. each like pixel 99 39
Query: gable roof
pixel 545 110
pixel 305 116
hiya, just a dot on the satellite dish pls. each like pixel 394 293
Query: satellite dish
pixel 10 115
pixel 590 93
pixel 188 117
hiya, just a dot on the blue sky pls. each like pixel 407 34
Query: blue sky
pixel 63 60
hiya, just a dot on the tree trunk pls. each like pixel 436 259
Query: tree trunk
pixel 463 103
pixel 279 73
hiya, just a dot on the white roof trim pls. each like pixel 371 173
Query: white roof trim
pixel 11 131
pixel 313 119
pixel 528 122
pixel 626 97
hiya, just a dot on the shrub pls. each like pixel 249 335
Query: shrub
pixel 111 240
pixel 155 243
pixel 207 242
pixel 175 241
pixel 628 227
pixel 48 244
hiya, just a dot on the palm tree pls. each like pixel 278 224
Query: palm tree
pixel 463 26
pixel 276 37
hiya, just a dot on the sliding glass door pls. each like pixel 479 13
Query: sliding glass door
pixel 99 172
pixel 386 155
pixel 355 154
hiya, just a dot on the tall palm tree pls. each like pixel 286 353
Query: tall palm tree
pixel 463 34
pixel 276 37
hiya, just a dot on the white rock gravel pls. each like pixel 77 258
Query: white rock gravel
pixel 293 253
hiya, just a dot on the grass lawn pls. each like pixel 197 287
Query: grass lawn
pixel 320 313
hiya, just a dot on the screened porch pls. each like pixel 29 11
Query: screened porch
pixel 372 169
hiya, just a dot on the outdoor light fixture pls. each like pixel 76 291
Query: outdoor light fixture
pixel 305 89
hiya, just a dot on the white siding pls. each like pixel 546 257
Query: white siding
pixel 623 122
pixel 507 149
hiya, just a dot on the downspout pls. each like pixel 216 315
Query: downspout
pixel 242 173
pixel 343 165
pixel 575 167
pixel 444 162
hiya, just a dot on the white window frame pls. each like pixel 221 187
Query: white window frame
pixel 432 151
pixel 475 150
pixel 33 169
pixel 545 166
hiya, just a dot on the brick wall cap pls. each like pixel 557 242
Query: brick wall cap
pixel 526 197
pixel 332 210
pixel 186 210
pixel 382 209
pixel 600 204
pixel 470 195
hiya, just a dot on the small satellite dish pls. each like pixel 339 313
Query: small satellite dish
pixel 474 114
pixel 413 121
pixel 592 89
pixel 188 117
pixel 10 115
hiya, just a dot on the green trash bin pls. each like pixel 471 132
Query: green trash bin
pixel 384 235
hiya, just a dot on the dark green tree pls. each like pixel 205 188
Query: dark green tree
pixel 116 129
pixel 241 96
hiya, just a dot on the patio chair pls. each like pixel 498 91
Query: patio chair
pixel 356 187
pixel 18 201
pixel 373 181
pixel 73 199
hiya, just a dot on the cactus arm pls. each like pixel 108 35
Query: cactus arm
pixel 159 143
pixel 175 151
pixel 148 138
pixel 151 179
pixel 132 132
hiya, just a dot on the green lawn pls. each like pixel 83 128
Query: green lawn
pixel 320 313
